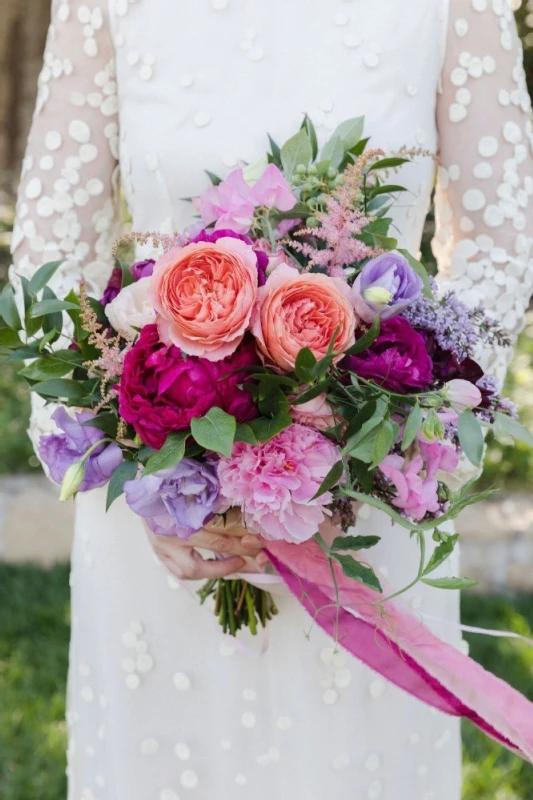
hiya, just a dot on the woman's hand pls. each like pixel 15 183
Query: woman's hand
pixel 224 535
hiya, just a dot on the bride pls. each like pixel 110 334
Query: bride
pixel 161 705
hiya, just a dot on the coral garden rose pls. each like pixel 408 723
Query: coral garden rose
pixel 161 390
pixel 204 295
pixel 397 360
pixel 298 310
pixel 317 413
pixel 214 236
pixel 275 483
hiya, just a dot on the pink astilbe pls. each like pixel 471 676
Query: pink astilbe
pixel 340 223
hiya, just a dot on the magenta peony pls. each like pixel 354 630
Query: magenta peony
pixel 161 390
pixel 274 483
pixel 398 359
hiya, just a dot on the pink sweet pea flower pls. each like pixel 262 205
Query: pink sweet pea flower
pixel 438 456
pixel 416 495
pixel 229 205
pixel 273 191
pixel 463 394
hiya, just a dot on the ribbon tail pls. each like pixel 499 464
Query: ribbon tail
pixel 398 646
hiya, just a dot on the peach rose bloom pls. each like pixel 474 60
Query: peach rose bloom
pixel 317 413
pixel 299 310
pixel 204 295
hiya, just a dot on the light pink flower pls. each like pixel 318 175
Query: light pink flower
pixel 272 190
pixel 462 394
pixel 416 495
pixel 229 205
pixel 274 483
pixel 438 456
pixel 317 413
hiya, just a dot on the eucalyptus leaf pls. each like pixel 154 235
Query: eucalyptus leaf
pixel 124 472
pixel 297 150
pixel 331 480
pixel 412 426
pixel 355 542
pixel 55 320
pixel 10 338
pixel 215 431
pixel 61 389
pixel 44 369
pixel 8 308
pixel 169 455
pixel 450 583
pixel 354 569
pixel 333 151
pixel 43 276
pixel 44 307
pixel 350 132
pixel 388 163
pixel 308 126
pixel 511 427
pixel 471 437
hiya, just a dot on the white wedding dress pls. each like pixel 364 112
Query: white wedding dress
pixel 161 705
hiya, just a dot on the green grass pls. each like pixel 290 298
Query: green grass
pixel 34 630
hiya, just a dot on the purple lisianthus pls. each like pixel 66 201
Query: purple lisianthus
pixel 178 501
pixel 397 360
pixel 113 287
pixel 214 236
pixel 385 287
pixel 142 269
pixel 59 451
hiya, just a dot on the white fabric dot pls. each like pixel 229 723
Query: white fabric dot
pixel 53 140
pixel 352 40
pixel 33 189
pixel 414 738
pixel 149 747
pixel 182 681
pixel 461 27
pixel 168 794
pixel 183 751
pixel 512 133
pixel 128 665
pixel 284 723
pixel 225 744
pixel 454 172
pixel 248 719
pixel 488 146
pixel 459 76
pixel 372 762
pixel 493 216
pixel 489 65
pixel 95 187
pixel 464 97
pixel 341 763
pixel 87 153
pixel 219 5
pixel 186 81
pixel 79 131
pixel 457 112
pixel 377 688
pixel 330 697
pixel 479 5
pixel 46 163
pixel 474 200
pixel 240 779
pixel 189 779
pixel 87 694
pixel 374 790
pixel 371 60
pixel 202 118
pixel 483 170
pixel 250 695
pixel 133 681
pixel 144 663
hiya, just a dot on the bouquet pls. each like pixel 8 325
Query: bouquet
pixel 284 357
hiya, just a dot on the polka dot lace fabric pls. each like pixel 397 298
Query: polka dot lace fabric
pixel 160 705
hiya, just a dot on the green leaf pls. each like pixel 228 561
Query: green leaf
pixel 310 394
pixel 43 276
pixel 333 151
pixel 354 569
pixel 8 308
pixel 385 438
pixel 308 126
pixel 215 180
pixel 276 152
pixel 305 362
pixel 420 271
pixel 51 321
pixel 44 369
pixel 297 150
pixel 471 437
pixel 61 389
pixel 124 472
pixel 215 431
pixel 266 428
pixel 245 434
pixel 107 423
pixel 355 542
pixel 127 275
pixel 388 163
pixel 387 189
pixel 511 427
pixel 367 339
pixel 350 132
pixel 367 427
pixel 359 148
pixel 412 426
pixel 450 583
pixel 169 455
pixel 10 338
pixel 441 553
pixel 51 307
pixel 332 479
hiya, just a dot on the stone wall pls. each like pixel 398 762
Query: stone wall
pixel 497 536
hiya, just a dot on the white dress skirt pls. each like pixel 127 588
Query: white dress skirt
pixel 162 706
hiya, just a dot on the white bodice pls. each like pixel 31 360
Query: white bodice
pixel 233 71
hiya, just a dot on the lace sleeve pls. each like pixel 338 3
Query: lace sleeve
pixel 67 205
pixel 484 205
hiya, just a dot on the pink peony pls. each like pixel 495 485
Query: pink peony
pixel 274 483
pixel 317 413
pixel 204 295
pixel 161 391
pixel 416 495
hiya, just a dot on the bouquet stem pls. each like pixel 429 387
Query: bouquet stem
pixel 238 604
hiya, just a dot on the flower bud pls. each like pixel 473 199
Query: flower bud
pixel 432 427
pixel 73 480
pixel 462 394
pixel 377 294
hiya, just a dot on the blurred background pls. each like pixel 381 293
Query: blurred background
pixel 35 531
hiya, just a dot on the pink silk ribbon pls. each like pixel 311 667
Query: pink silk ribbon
pixel 398 646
